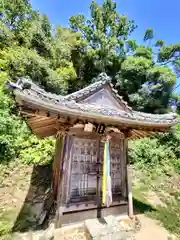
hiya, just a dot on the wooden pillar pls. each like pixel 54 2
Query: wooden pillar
pixel 61 152
pixel 63 182
pixel 129 187
pixel 128 176
pixel 98 186
pixel 57 164
pixel 123 168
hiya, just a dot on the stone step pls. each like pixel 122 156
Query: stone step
pixel 109 228
pixel 72 232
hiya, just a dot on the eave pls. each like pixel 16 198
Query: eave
pixel 46 118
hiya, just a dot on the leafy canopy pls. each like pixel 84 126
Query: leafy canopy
pixel 63 60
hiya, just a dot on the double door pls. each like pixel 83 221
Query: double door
pixel 85 168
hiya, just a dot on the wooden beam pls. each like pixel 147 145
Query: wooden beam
pixel 133 137
pixel 78 126
pixel 34 118
pixel 89 127
pixel 112 129
pixel 130 197
pixel 60 178
pixel 43 128
pixel 127 132
pixel 42 123
pixel 48 133
pixel 140 133
pixel 56 164
pixel 40 119
pixel 63 179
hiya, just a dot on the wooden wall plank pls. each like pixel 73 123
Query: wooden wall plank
pixel 57 164
pixel 62 181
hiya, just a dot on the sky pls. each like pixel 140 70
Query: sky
pixel 161 15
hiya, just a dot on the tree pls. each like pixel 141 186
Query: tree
pixel 149 35
pixel 16 15
pixel 64 60
pixel 154 95
pixel 46 26
pixel 159 43
pixel 22 62
pixel 176 63
pixel 7 37
pixel 134 69
pixel 13 13
pixel 175 102
pixel 106 33
pixel 169 53
pixel 142 51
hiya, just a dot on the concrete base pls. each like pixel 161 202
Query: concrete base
pixel 81 216
pixel 108 228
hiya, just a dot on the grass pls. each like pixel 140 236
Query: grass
pixel 22 192
pixel 16 176
pixel 167 214
pixel 169 217
pixel 14 179
pixel 6 223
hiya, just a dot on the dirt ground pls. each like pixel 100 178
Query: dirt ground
pixel 17 186
pixel 151 230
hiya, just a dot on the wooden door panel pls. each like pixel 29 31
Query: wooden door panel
pixel 86 171
pixel 83 179
pixel 116 154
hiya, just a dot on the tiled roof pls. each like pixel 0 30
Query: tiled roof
pixel 101 80
pixel 38 95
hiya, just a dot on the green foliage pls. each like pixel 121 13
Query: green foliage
pixel 156 91
pixel 160 154
pixel 36 151
pixel 11 126
pixel 137 65
pixel 142 51
pixel 131 45
pixel 106 33
pixel 148 34
pixel 176 63
pixel 176 98
pixel 22 62
pixel 169 216
pixel 131 76
pixel 169 52
pixel 149 154
pixel 159 43
pixel 11 129
pixel 62 60
pixel 16 139
pixel 15 13
pixel 7 37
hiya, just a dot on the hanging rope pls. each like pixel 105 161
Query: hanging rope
pixel 106 184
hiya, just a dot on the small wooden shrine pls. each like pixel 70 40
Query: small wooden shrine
pixel 83 122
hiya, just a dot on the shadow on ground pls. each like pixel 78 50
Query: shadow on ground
pixel 141 207
pixel 38 201
pixel 39 205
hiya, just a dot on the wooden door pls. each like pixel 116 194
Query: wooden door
pixel 86 170
pixel 117 168
pixel 83 173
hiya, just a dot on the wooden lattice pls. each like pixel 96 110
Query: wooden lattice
pixel 85 169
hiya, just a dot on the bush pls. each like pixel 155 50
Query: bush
pixel 159 154
pixel 35 151
pixel 23 62
pixel 16 139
